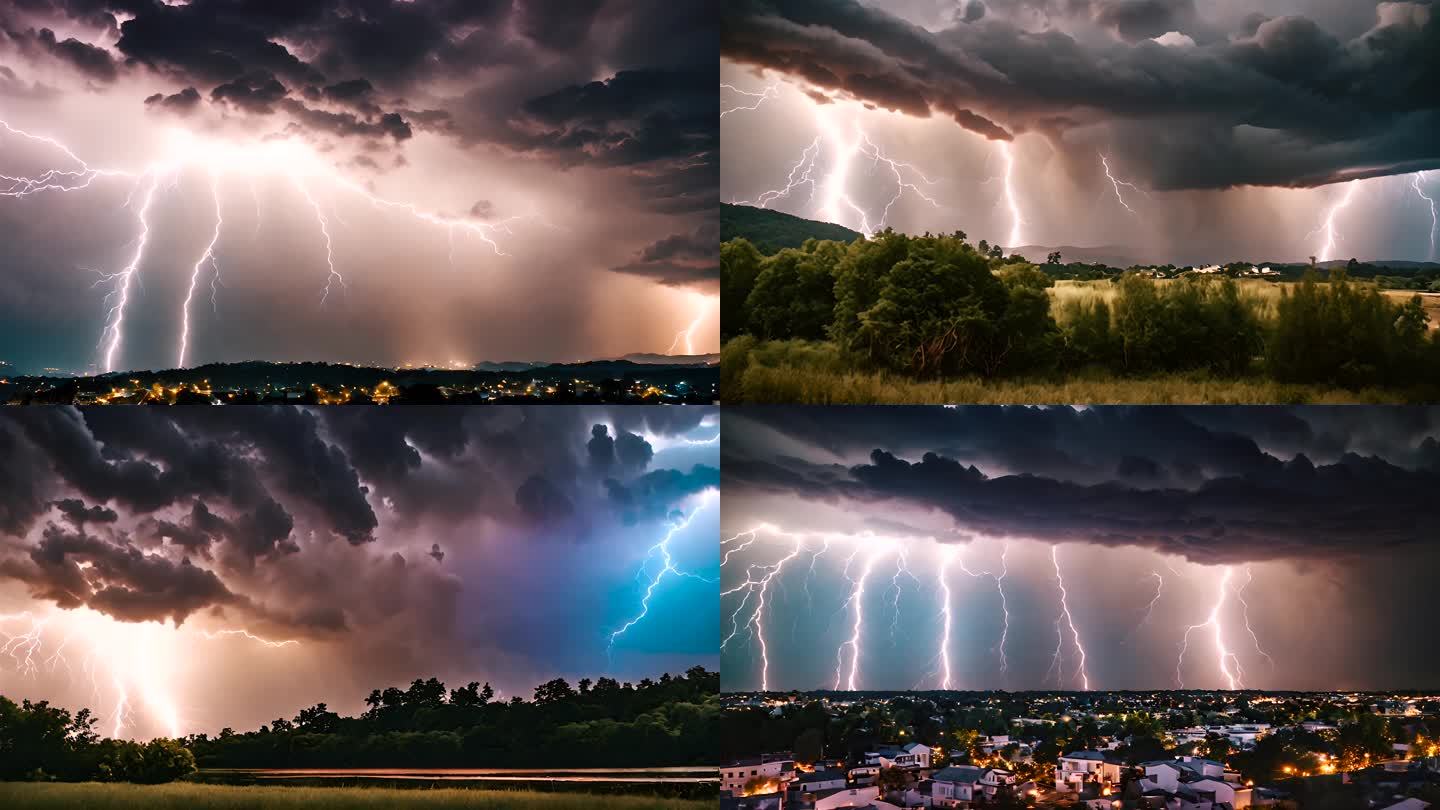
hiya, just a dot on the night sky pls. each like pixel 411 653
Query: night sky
pixel 548 171
pixel 357 548
pixel 1236 125
pixel 1317 524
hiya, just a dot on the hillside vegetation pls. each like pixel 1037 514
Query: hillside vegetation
pixel 770 231
pixel 868 320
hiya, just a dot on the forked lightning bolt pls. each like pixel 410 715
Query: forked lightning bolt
pixel 130 660
pixel 1069 621
pixel 1415 181
pixel 857 606
pixel 947 555
pixel 216 159
pixel 1224 658
pixel 662 550
pixel 1012 201
pixel 1117 183
pixel 772 91
pixel 1329 234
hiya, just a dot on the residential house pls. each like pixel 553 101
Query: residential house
pixel 1075 769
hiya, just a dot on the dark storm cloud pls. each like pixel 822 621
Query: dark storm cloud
pixel 1177 480
pixel 90 61
pixel 118 579
pixel 179 510
pixel 75 511
pixel 654 493
pixel 684 259
pixel 183 103
pixel 1281 102
pixel 254 93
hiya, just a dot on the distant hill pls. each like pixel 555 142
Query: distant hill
pixel 772 230
pixel 647 359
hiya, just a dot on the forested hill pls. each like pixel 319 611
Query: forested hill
pixel 771 230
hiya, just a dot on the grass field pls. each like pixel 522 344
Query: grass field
pixel 790 385
pixel 814 373
pixel 178 796
pixel 1264 293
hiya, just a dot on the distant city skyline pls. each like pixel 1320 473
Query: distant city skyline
pixel 885 548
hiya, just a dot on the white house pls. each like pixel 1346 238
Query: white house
pixel 996 778
pixel 1075 769
pixel 909 756
pixel 736 775
pixel 956 785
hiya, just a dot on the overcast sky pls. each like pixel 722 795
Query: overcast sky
pixel 487 544
pixel 1315 523
pixel 578 140
pixel 1236 124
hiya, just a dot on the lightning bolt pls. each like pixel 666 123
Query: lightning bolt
pixel 1245 614
pixel 687 335
pixel 1415 180
pixel 772 91
pixel 1116 184
pixel 287 158
pixel 760 588
pixel 902 568
pixel 127 658
pixel 1069 621
pixel 1017 220
pixel 324 231
pixel 1224 658
pixel 208 255
pixel 857 604
pixel 832 184
pixel 1326 251
pixel 947 555
pixel 1004 606
pixel 662 549
pixel 120 293
pixel 800 175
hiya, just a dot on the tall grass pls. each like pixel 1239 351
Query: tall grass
pixel 184 796
pixel 777 372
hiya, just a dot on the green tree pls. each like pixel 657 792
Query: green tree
pixel 740 265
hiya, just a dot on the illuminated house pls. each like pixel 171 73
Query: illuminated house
pixel 909 756
pixel 1073 771
pixel 735 776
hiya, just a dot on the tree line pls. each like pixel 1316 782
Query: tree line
pixel 672 720
pixel 937 306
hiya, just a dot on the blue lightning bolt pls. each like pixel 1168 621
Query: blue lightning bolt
pixel 662 549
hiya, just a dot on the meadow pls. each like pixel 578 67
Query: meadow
pixel 934 319
pixel 189 796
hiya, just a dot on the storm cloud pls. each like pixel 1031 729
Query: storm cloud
pixel 388 543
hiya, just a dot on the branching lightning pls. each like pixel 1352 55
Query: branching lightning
pixel 130 661
pixel 831 183
pixel 1069 621
pixel 772 91
pixel 1329 235
pixel 1224 658
pixel 207 256
pixel 286 158
pixel 661 549
pixel 947 555
pixel 1245 614
pixel 1017 219
pixel 856 602
pixel 1116 183
pixel 1415 180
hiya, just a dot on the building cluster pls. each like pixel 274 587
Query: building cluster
pixel 1002 770
pixel 508 389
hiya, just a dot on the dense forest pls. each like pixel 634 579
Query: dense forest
pixel 933 307
pixel 673 720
